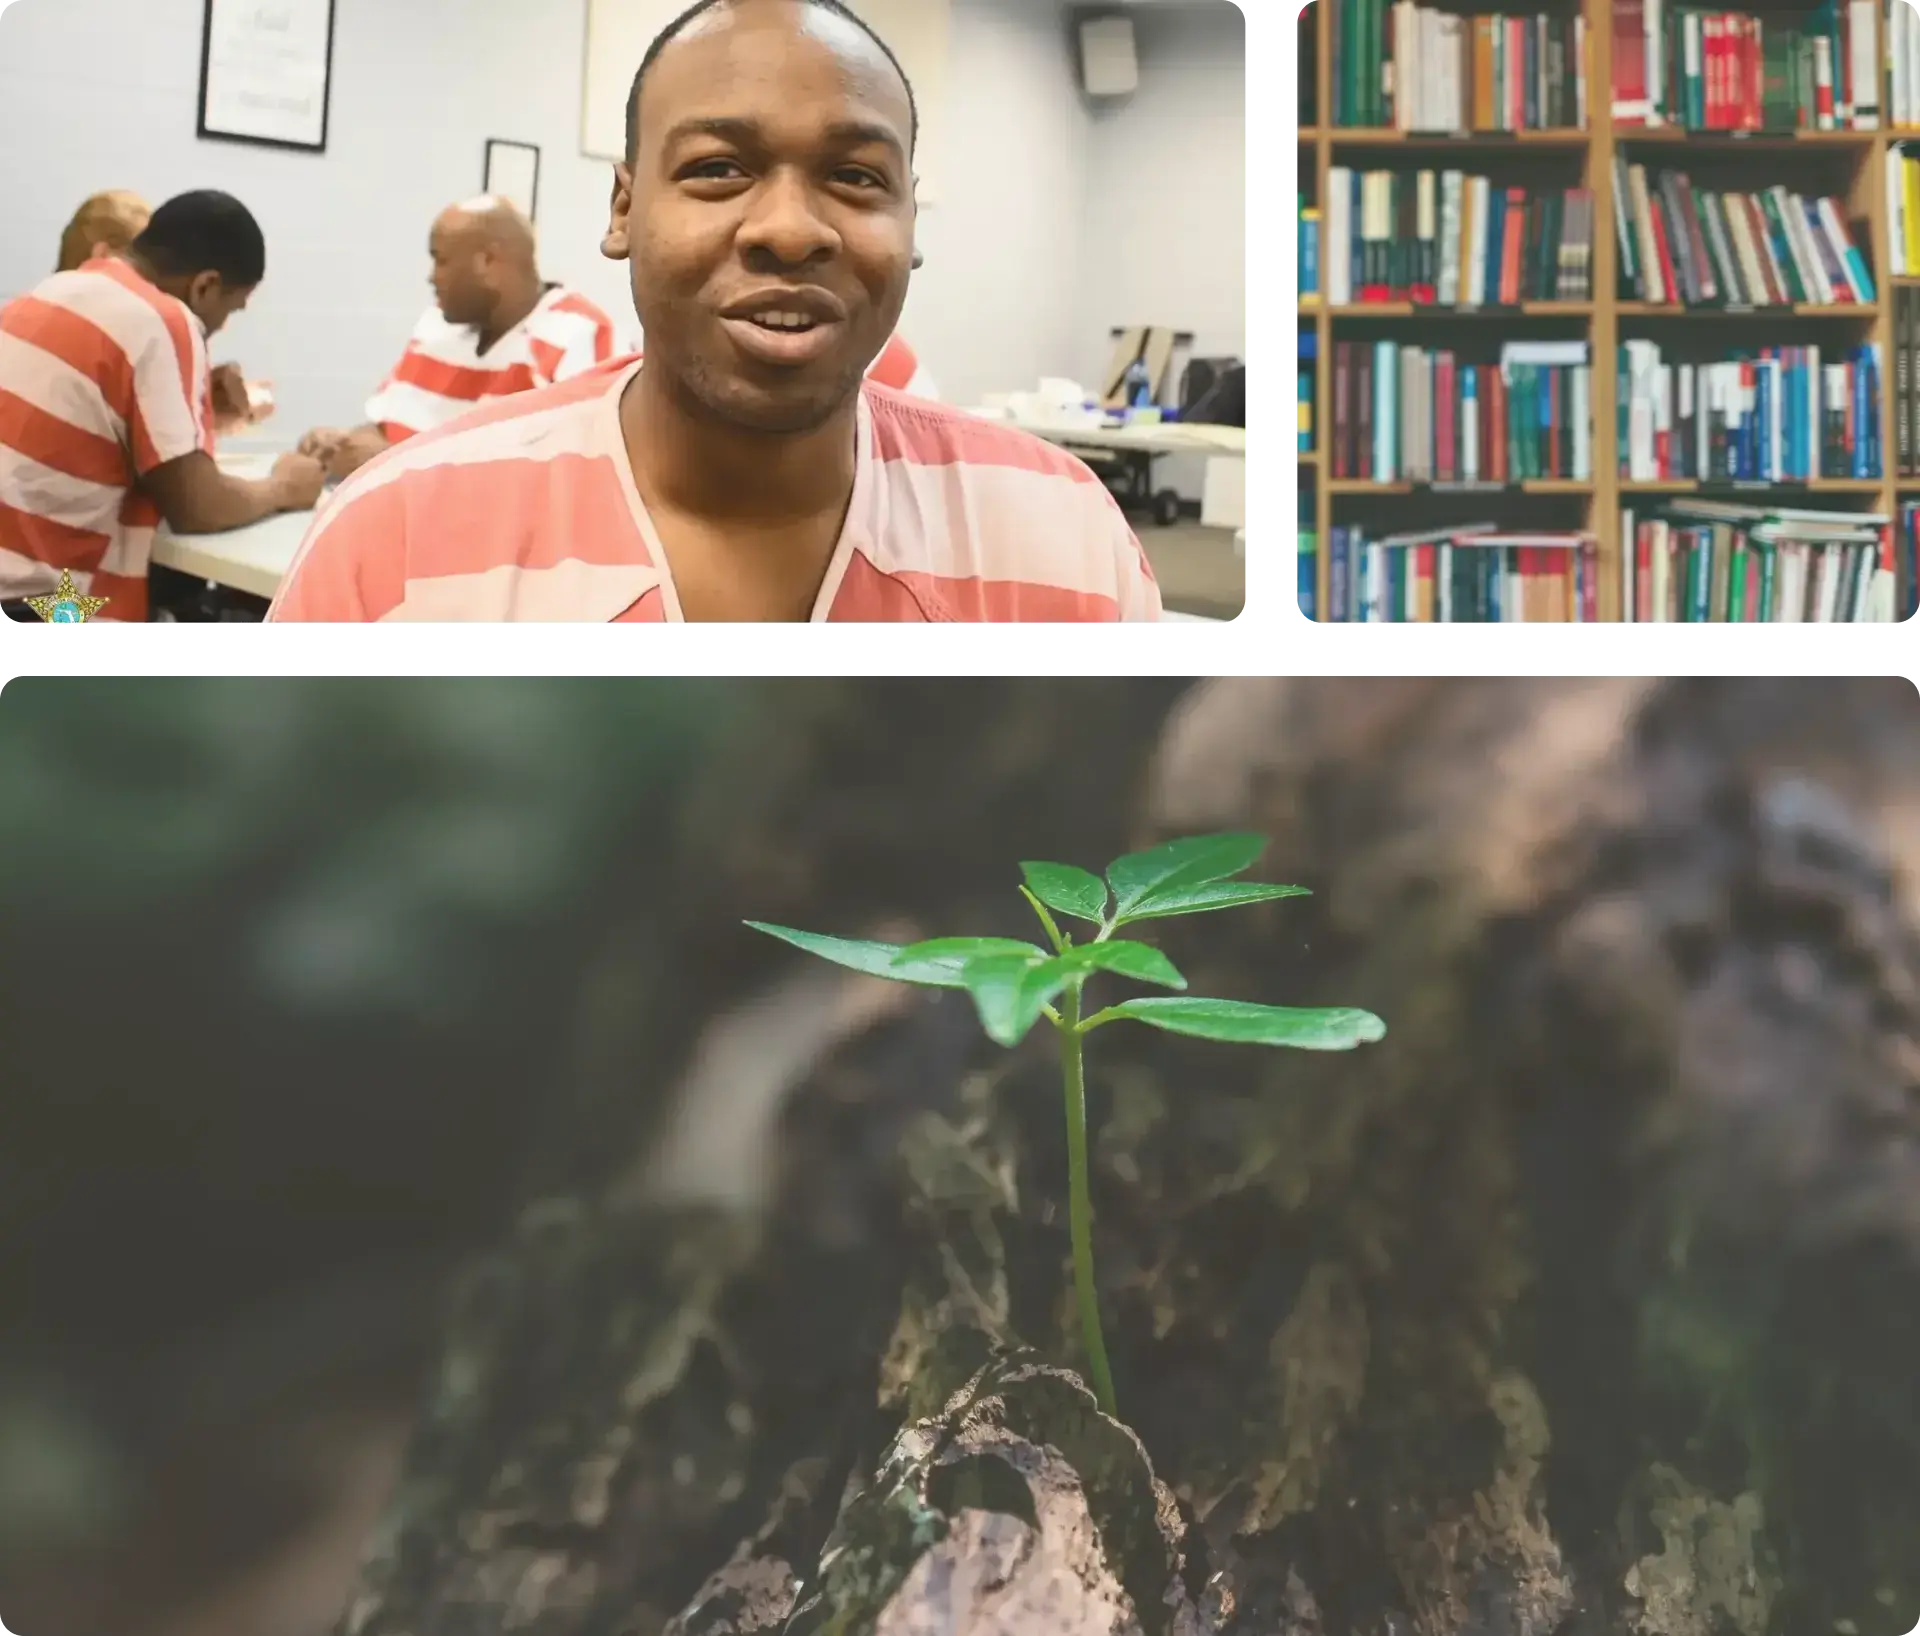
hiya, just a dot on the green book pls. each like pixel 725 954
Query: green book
pixel 1767 557
pixel 1722 571
pixel 1737 582
pixel 1789 265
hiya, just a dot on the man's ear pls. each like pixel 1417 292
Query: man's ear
pixel 618 244
pixel 204 289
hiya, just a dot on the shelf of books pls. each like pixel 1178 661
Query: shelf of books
pixel 1584 357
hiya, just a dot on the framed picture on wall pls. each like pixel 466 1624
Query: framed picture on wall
pixel 266 72
pixel 513 174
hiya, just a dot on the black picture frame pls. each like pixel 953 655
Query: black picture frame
pixel 487 183
pixel 207 133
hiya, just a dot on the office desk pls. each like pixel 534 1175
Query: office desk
pixel 1224 448
pixel 253 559
pixel 1174 438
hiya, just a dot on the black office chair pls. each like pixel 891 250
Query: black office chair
pixel 1213 392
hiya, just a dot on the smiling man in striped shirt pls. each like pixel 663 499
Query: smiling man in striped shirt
pixel 496 328
pixel 746 470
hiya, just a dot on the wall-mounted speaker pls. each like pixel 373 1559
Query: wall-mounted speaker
pixel 1109 57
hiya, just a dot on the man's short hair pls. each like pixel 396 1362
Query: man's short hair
pixel 114 219
pixel 700 8
pixel 205 232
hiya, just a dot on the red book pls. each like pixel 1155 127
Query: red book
pixel 1643 574
pixel 1756 73
pixel 1497 439
pixel 1762 238
pixel 1512 238
pixel 1342 428
pixel 1446 406
pixel 1424 601
pixel 1665 251
pixel 1630 62
pixel 1711 30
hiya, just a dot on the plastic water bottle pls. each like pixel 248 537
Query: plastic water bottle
pixel 1139 385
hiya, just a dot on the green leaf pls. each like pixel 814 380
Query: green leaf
pixel 1240 1023
pixel 970 948
pixel 1076 892
pixel 1194 900
pixel 1140 961
pixel 1009 991
pixel 875 959
pixel 1195 861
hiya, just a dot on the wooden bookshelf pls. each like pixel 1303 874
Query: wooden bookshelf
pixel 1858 161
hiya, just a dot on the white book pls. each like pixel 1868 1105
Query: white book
pixel 1880 598
pixel 1816 437
pixel 1443 583
pixel 1640 367
pixel 1866 66
pixel 1335 254
pixel 1470 430
pixel 1838 237
pixel 1776 397
pixel 1690 23
pixel 1578 68
pixel 1475 293
pixel 1663 409
pixel 1629 545
pixel 1862 586
pixel 1913 68
pixel 1813 269
pixel 1823 77
pixel 1426 223
pixel 1896 64
pixel 1405 22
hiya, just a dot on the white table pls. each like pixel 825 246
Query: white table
pixel 253 559
pixel 1172 437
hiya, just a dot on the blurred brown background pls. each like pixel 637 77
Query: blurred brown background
pixel 306 986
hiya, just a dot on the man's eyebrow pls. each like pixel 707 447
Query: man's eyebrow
pixel 749 133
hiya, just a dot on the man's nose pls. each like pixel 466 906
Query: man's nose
pixel 785 220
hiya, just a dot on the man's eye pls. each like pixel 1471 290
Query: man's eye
pixel 853 177
pixel 712 170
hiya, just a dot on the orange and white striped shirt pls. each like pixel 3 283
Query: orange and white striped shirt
pixel 443 373
pixel 527 510
pixel 103 378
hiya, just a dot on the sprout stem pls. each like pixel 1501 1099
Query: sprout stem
pixel 1079 1201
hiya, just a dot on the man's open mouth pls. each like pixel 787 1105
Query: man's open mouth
pixel 781 338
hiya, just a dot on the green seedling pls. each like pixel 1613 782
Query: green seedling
pixel 1015 984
